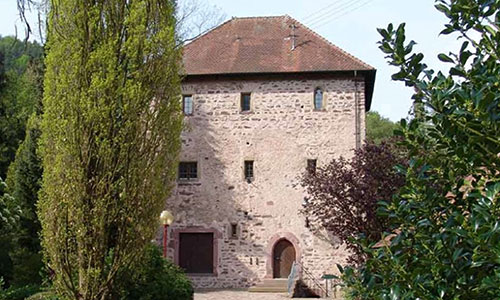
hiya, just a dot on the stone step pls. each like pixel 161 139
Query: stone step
pixel 271 286
pixel 267 289
pixel 274 282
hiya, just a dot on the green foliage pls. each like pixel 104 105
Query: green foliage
pixel 110 137
pixel 20 96
pixel 378 128
pixel 19 93
pixel 19 293
pixel 9 215
pixel 18 54
pixel 154 278
pixel 24 178
pixel 46 295
pixel 445 241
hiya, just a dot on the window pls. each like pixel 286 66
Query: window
pixel 188 170
pixel 318 99
pixel 234 230
pixel 187 104
pixel 196 252
pixel 245 102
pixel 248 170
pixel 311 165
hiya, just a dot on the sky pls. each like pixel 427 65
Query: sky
pixel 349 24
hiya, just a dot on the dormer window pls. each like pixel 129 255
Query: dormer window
pixel 318 99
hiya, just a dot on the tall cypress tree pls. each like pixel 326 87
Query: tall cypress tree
pixel 110 136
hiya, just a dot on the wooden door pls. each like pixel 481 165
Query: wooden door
pixel 196 252
pixel 283 258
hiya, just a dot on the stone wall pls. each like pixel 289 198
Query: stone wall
pixel 280 133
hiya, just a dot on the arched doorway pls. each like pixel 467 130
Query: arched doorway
pixel 283 258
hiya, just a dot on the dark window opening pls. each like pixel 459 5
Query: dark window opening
pixel 196 252
pixel 188 170
pixel 311 166
pixel 318 99
pixel 245 102
pixel 234 230
pixel 187 104
pixel 248 170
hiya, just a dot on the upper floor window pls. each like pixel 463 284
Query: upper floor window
pixel 187 104
pixel 245 102
pixel 311 166
pixel 234 230
pixel 188 170
pixel 318 99
pixel 248 170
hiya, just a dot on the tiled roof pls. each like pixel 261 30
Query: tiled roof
pixel 264 45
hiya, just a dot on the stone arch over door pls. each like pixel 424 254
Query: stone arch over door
pixel 273 241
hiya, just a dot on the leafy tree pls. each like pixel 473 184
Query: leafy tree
pixel 379 128
pixel 110 137
pixel 19 54
pixel 343 195
pixel 19 94
pixel 445 220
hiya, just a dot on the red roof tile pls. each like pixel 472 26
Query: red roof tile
pixel 264 45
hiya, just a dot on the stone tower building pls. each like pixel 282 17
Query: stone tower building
pixel 264 98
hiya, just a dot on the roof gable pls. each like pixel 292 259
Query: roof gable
pixel 264 45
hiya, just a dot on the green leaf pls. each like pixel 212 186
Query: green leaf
pixel 445 58
pixel 341 269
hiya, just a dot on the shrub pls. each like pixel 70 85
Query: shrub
pixel 19 293
pixel 46 295
pixel 349 190
pixel 445 220
pixel 154 279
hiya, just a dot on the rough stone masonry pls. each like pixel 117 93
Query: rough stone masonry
pixel 279 134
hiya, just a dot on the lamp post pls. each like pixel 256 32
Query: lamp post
pixel 166 218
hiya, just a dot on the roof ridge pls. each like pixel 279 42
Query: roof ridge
pixel 331 44
pixel 259 17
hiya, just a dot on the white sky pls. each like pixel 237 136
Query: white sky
pixel 350 24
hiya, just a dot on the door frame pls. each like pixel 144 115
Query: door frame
pixel 270 251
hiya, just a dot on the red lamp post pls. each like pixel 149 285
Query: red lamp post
pixel 166 219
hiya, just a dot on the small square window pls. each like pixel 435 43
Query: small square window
pixel 234 230
pixel 187 104
pixel 311 165
pixel 245 101
pixel 248 170
pixel 188 170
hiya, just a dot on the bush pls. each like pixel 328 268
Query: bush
pixel 19 293
pixel 444 240
pixel 47 295
pixel 154 279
